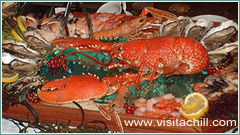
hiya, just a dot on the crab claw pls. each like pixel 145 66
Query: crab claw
pixel 74 88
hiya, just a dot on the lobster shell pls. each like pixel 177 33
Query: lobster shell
pixel 169 55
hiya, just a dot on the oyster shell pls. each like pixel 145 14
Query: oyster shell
pixel 174 28
pixel 197 30
pixel 24 84
pixel 218 36
pixel 37 42
pixel 19 48
pixel 19 57
pixel 24 66
pixel 218 56
pixel 226 48
pixel 8 9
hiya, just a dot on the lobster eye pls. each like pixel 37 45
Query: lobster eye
pixel 120 48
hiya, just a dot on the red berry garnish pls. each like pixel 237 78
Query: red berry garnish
pixel 125 105
pixel 133 108
pixel 57 64
pixel 62 57
pixel 31 94
pixel 129 107
pixel 221 67
pixel 214 70
pixel 129 111
pixel 51 61
pixel 49 64
pixel 210 71
pixel 59 60
pixel 30 99
pixel 35 100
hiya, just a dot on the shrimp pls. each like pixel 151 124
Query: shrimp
pixel 152 101
pixel 141 102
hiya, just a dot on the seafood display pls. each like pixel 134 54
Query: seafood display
pixel 154 65
pixel 104 25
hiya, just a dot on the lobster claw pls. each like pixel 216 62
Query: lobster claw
pixel 74 88
pixel 54 92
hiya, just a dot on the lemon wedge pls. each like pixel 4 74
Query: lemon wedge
pixel 195 106
pixel 15 34
pixel 10 77
pixel 21 21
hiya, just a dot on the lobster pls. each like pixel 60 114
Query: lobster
pixel 153 57
pixel 104 25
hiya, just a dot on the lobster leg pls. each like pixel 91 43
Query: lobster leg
pixel 158 13
pixel 121 64
pixel 115 107
pixel 157 68
pixel 140 71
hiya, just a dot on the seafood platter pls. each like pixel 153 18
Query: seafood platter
pixel 106 63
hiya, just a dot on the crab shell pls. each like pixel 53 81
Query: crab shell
pixel 74 88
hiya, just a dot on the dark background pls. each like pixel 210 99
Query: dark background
pixel 226 9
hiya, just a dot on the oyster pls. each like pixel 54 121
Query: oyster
pixel 174 28
pixel 218 36
pixel 19 48
pixel 223 54
pixel 23 86
pixel 8 9
pixel 22 57
pixel 226 48
pixel 197 30
pixel 24 66
pixel 37 42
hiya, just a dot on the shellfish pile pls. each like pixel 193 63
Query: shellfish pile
pixel 25 58
pixel 220 42
pixel 219 39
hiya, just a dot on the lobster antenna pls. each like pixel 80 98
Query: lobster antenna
pixel 83 53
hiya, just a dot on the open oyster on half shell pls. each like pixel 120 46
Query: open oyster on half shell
pixel 174 28
pixel 218 36
pixel 196 30
pixel 223 54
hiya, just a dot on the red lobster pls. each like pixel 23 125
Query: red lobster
pixel 153 57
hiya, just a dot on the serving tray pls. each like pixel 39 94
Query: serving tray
pixel 49 113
